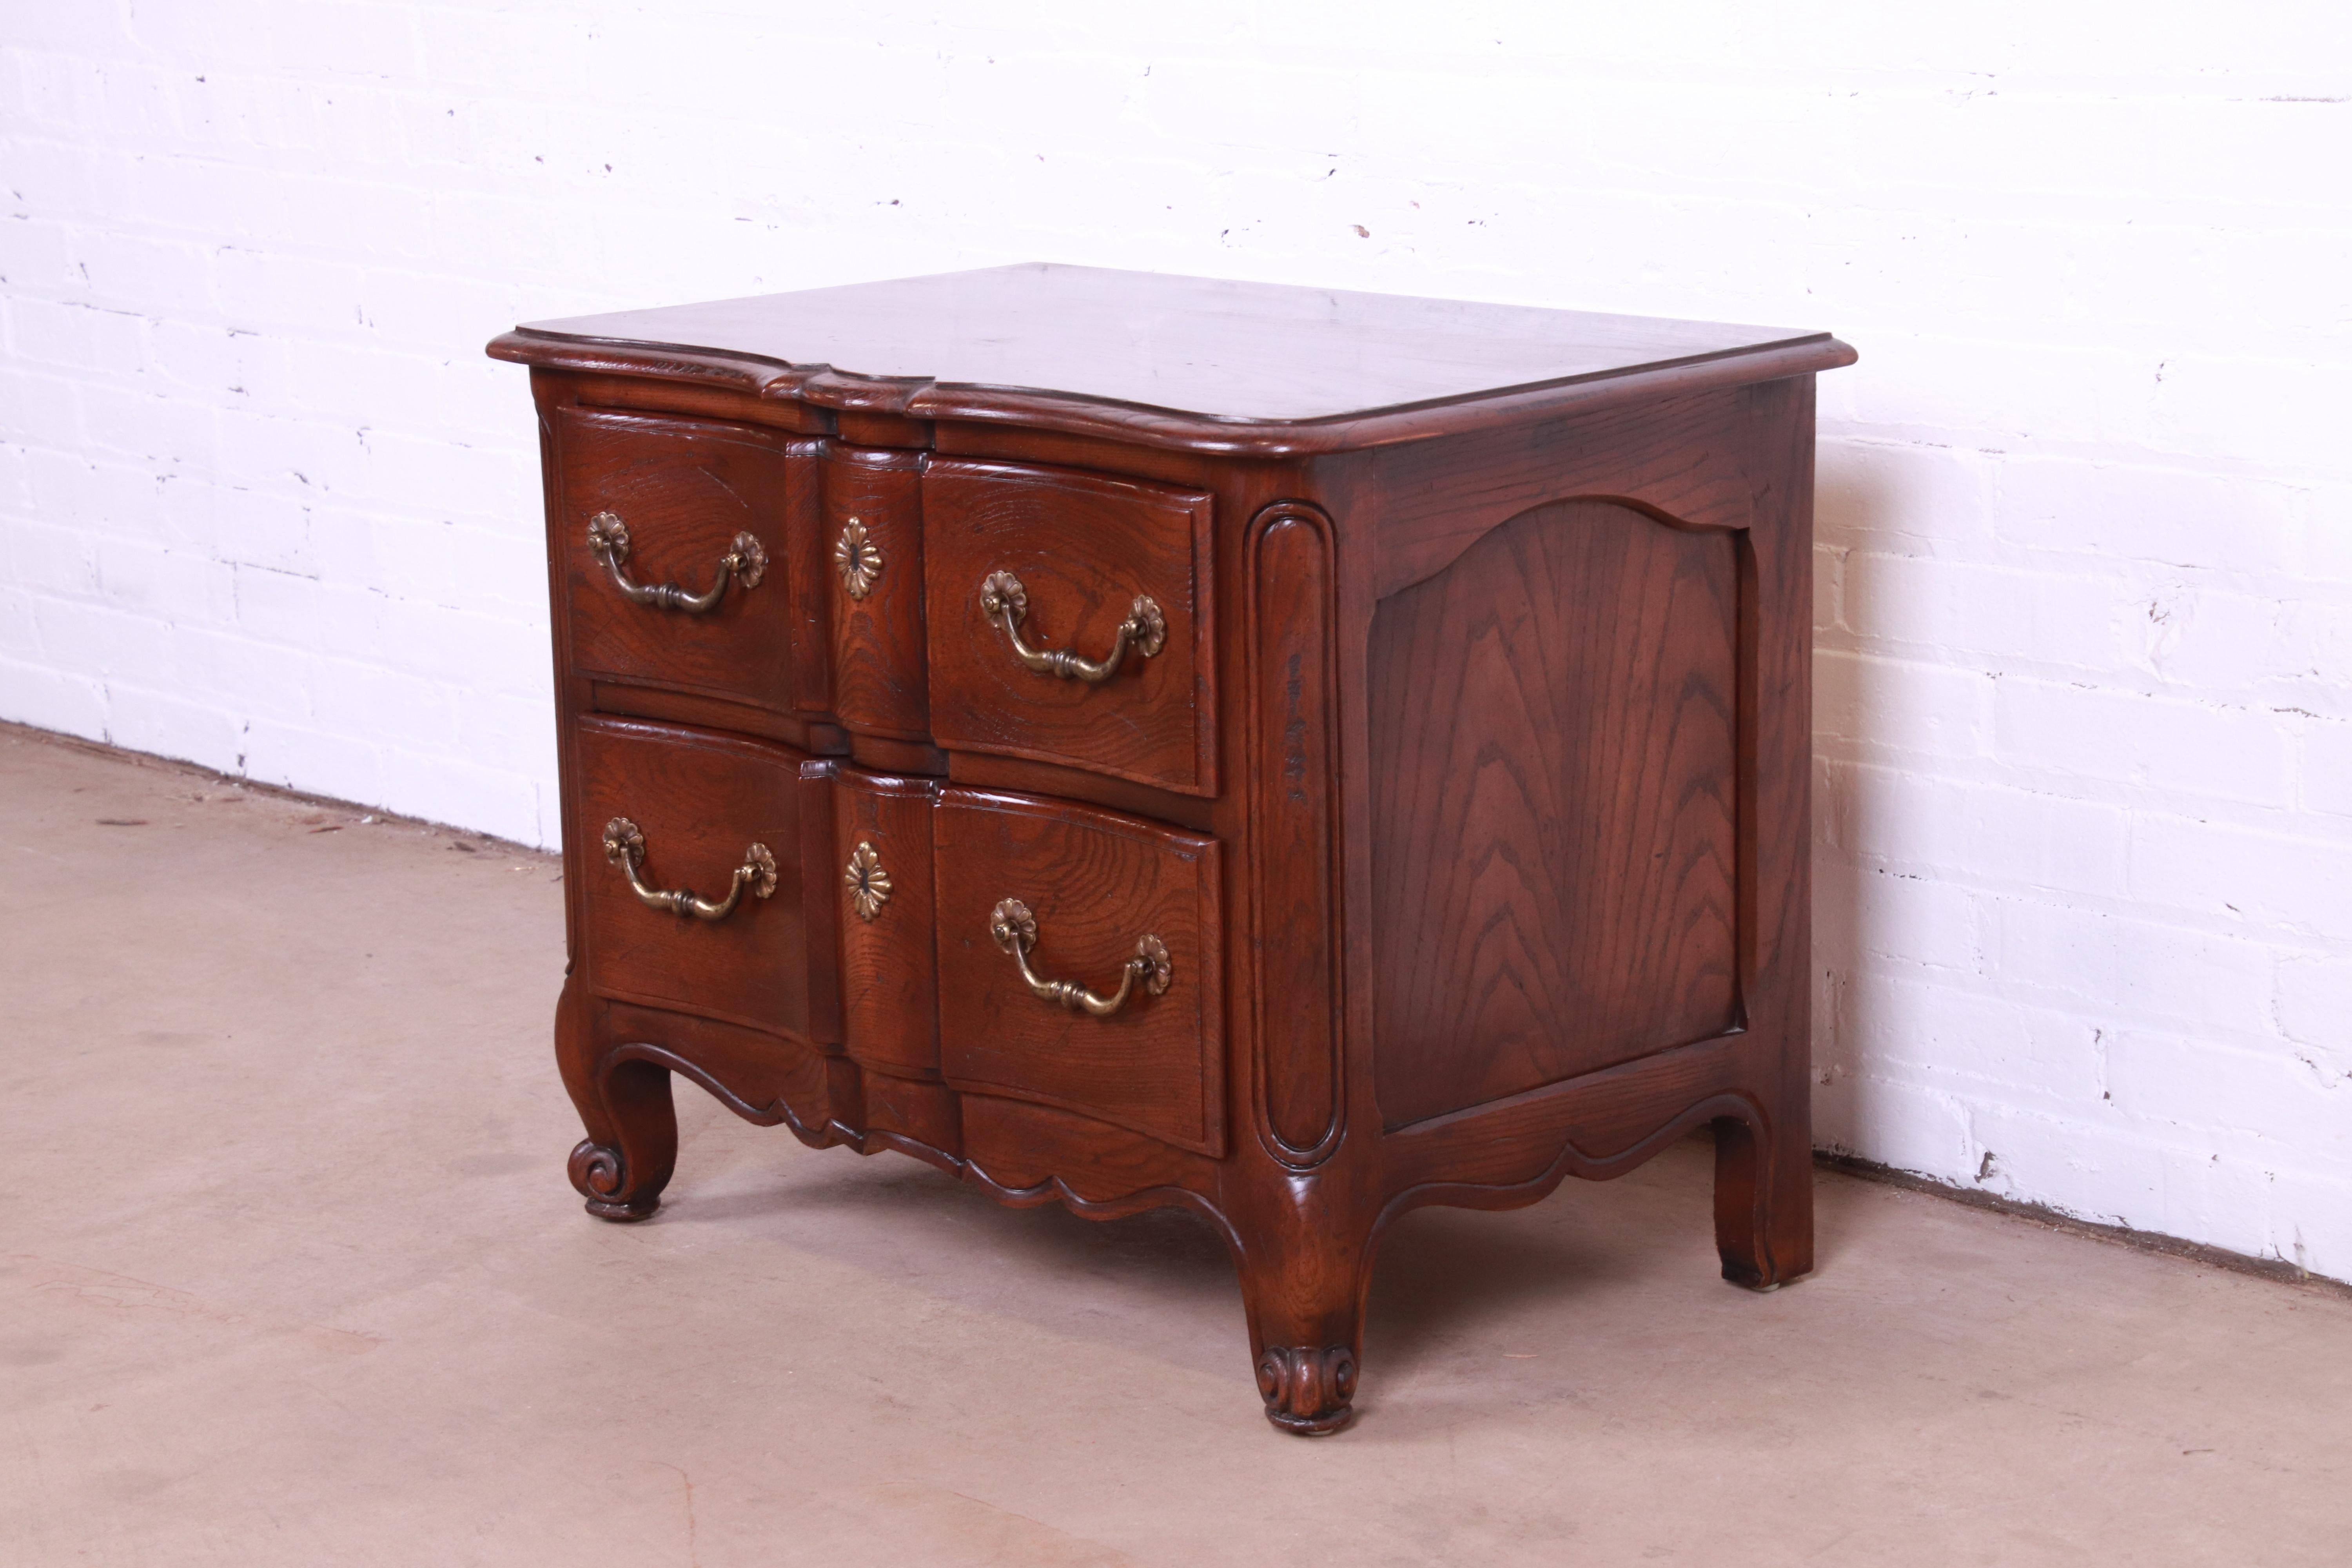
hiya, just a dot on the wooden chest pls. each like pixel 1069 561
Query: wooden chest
pixel 1131 740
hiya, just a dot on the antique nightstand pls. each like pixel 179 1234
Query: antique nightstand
pixel 1133 740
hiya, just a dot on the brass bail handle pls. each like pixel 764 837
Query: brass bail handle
pixel 608 541
pixel 1014 929
pixel 1005 602
pixel 626 847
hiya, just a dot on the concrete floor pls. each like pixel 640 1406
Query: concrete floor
pixel 291 1274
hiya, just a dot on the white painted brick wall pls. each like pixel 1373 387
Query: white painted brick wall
pixel 2084 722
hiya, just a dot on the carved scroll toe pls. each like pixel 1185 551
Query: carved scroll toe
pixel 1307 1390
pixel 602 1178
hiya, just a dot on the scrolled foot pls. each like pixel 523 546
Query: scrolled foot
pixel 602 1178
pixel 1307 1389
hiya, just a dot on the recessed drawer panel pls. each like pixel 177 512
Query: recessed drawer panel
pixel 1069 620
pixel 874 522
pixel 706 876
pixel 673 546
pixel 889 999
pixel 1080 963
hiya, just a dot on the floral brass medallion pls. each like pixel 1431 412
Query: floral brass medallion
pixel 869 884
pixel 858 557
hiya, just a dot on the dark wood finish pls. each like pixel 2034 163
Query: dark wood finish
pixel 684 489
pixel 627 700
pixel 1294 852
pixel 1553 734
pixel 1083 546
pixel 891 1003
pixel 873 498
pixel 1096 881
pixel 1485 865
pixel 701 799
pixel 1212 365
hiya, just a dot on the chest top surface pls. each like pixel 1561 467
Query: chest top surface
pixel 1186 353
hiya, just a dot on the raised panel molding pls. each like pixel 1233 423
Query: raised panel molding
pixel 1554 724
pixel 1293 862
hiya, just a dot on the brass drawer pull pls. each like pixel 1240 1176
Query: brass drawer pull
pixel 608 541
pixel 1004 601
pixel 1015 930
pixel 626 847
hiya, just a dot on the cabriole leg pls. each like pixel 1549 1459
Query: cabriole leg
pixel 1303 1285
pixel 631 1149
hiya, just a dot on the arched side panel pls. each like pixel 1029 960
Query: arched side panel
pixel 1294 854
pixel 1553 737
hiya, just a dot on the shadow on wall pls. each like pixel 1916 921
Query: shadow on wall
pixel 1888 945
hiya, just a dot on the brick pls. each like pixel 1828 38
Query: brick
pixel 2130 969
pixel 1933 1031
pixel 2265 1094
pixel 48 560
pixel 2324 516
pixel 20 641
pixel 2278 412
pixel 2313 1007
pixel 304 756
pixel 172 726
pixel 77 337
pixel 48 698
pixel 39 410
pixel 1909 822
pixel 2272 879
pixel 170 583
pixel 242 676
pixel 1909 1126
pixel 438 788
pixel 1903 706
pixel 2182 748
pixel 2166 517
pixel 2004 613
pixel 1911 919
pixel 1875 493
pixel 2311 1221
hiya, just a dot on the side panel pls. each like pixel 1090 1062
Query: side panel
pixel 1554 732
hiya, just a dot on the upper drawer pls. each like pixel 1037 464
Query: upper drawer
pixel 653 504
pixel 1069 621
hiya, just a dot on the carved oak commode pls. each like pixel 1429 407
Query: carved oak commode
pixel 1131 740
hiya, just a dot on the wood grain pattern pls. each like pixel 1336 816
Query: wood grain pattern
pixel 1508 791
pixel 889 989
pixel 1084 546
pixel 700 798
pixel 1553 732
pixel 879 686
pixel 1095 882
pixel 684 489
pixel 1205 364
pixel 1293 697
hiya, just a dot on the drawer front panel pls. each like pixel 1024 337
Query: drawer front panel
pixel 684 491
pixel 699 801
pixel 874 583
pixel 1082 549
pixel 889 996
pixel 1094 885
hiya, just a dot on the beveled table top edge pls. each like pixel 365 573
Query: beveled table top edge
pixel 1719 354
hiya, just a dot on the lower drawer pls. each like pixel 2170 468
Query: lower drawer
pixel 736 824
pixel 1047 914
